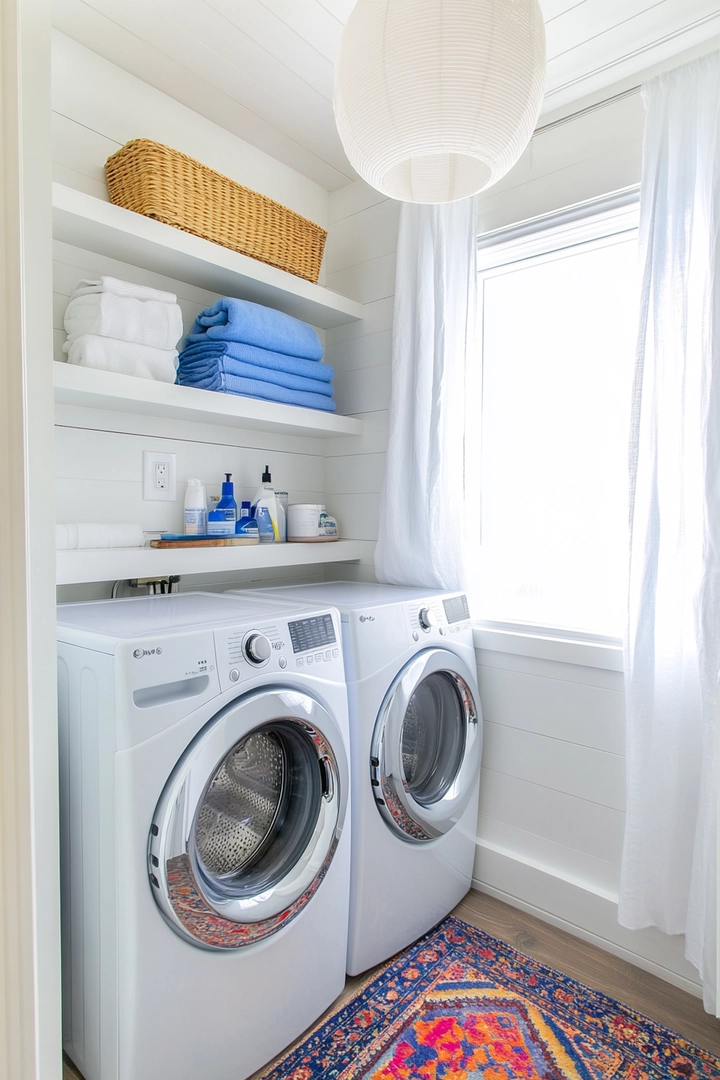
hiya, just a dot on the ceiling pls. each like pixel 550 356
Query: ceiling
pixel 263 69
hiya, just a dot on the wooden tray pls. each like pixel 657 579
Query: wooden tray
pixel 312 539
pixel 219 541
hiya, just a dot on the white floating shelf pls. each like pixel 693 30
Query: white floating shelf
pixel 91 388
pixel 87 222
pixel 115 564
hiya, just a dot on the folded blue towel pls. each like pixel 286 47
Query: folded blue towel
pixel 207 372
pixel 257 388
pixel 254 324
pixel 198 347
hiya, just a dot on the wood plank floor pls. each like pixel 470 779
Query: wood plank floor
pixel 596 968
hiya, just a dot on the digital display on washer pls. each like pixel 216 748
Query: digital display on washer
pixel 456 609
pixel 312 633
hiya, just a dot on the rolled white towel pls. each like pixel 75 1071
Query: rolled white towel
pixel 72 537
pixel 90 286
pixel 144 322
pixel 124 357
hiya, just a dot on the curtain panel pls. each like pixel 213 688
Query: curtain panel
pixel 672 648
pixel 430 504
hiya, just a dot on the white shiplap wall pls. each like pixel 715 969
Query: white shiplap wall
pixel 96 108
pixel 552 801
pixel 360 262
pixel 585 158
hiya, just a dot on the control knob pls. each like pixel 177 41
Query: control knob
pixel 427 618
pixel 258 649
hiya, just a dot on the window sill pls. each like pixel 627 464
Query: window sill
pixel 601 653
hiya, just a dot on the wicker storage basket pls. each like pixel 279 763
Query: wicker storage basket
pixel 164 184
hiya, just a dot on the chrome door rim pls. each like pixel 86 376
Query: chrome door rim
pixel 411 820
pixel 192 910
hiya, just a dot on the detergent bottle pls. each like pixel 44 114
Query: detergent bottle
pixel 265 510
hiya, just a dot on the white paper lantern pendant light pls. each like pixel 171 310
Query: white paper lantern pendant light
pixel 436 100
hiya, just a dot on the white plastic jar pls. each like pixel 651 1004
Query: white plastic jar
pixel 303 520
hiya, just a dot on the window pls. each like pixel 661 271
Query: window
pixel 558 312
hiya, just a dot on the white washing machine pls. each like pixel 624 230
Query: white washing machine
pixel 415 748
pixel 205 846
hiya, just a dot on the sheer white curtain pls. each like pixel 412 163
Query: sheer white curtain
pixel 672 661
pixel 430 503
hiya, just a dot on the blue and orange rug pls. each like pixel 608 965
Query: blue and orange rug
pixel 460 1005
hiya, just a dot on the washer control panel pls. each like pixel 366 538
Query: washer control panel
pixel 312 633
pixel 305 644
pixel 314 640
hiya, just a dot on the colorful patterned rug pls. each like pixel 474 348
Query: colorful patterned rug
pixel 460 1005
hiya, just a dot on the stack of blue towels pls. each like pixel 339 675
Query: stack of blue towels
pixel 238 347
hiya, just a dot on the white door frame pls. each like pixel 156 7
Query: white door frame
pixel 30 1042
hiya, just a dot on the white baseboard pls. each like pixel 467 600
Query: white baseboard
pixel 583 912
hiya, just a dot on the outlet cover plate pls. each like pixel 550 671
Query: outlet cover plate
pixel 159 470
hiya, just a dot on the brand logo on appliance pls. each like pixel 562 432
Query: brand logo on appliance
pixel 139 653
pixel 367 618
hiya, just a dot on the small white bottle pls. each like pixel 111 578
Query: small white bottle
pixel 195 509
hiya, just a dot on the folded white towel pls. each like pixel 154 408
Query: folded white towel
pixel 124 357
pixel 71 537
pixel 145 322
pixel 89 286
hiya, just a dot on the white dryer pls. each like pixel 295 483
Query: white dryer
pixel 205 847
pixel 415 748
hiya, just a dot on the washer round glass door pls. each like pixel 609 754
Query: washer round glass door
pixel 249 821
pixel 426 747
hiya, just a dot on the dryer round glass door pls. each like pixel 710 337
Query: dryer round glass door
pixel 426 747
pixel 249 821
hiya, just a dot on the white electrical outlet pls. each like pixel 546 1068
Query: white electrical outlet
pixel 159 476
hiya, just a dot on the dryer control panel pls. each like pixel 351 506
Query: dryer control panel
pixel 308 644
pixel 437 616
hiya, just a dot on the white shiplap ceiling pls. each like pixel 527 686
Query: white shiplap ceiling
pixel 263 69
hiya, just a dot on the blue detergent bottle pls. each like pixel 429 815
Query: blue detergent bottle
pixel 221 520
pixel 247 525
